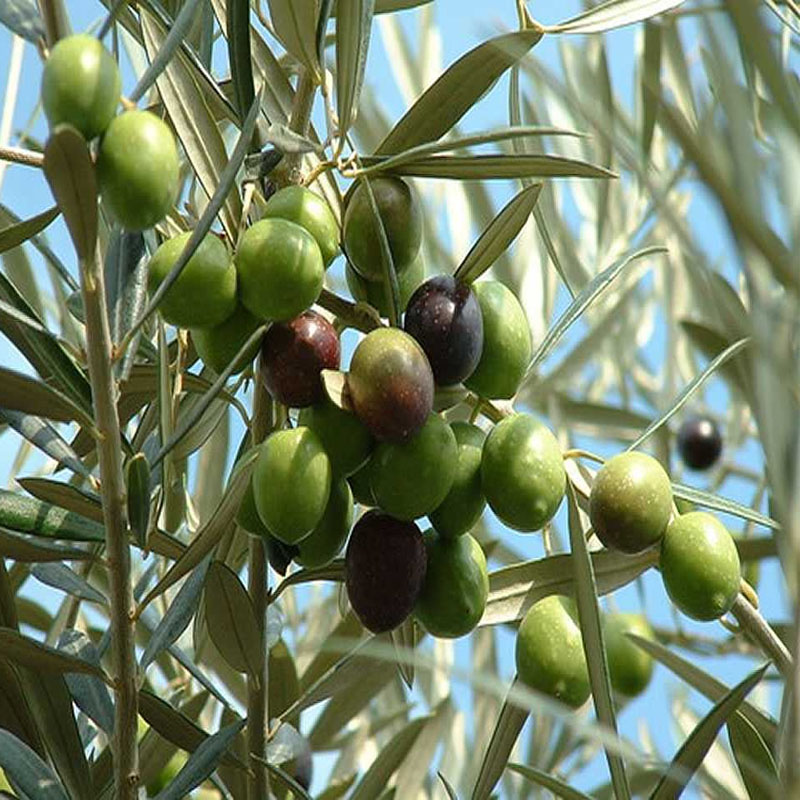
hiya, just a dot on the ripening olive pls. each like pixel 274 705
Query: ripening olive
pixel 291 483
pixel 630 502
pixel 700 566
pixel 409 479
pixel 699 442
pixel 219 345
pixel 204 295
pixel 401 214
pixel 506 342
pixel 310 211
pixel 138 170
pixel 325 542
pixel 443 315
pixel 390 384
pixel 630 668
pixel 462 507
pixel 522 472
pixel 280 269
pixel 80 85
pixel 385 566
pixel 293 355
pixel 456 586
pixel 549 653
pixel 374 292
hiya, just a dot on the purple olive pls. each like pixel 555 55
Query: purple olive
pixel 699 442
pixel 443 315
pixel 294 353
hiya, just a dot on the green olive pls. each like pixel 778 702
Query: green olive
pixel 219 345
pixel 325 542
pixel 630 667
pixel 465 501
pixel 374 292
pixel 700 566
pixel 507 342
pixel 549 653
pixel 204 295
pixel 401 214
pixel 280 269
pixel 291 483
pixel 345 439
pixel 80 85
pixel 522 472
pixel 138 170
pixel 310 211
pixel 456 586
pixel 630 502
pixel 410 479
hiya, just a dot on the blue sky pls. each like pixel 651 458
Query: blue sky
pixel 463 23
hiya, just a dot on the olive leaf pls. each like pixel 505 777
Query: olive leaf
pixel 137 478
pixel 28 771
pixel 295 24
pixel 353 31
pixel 22 17
pixel 18 233
pixel 613 14
pixel 60 576
pixel 239 57
pixel 558 787
pixel 27 515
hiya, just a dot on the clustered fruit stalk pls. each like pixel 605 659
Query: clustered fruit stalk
pixel 109 450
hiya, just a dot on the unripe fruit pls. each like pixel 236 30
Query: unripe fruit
pixel 630 667
pixel 307 209
pixel 293 355
pixel 630 502
pixel 80 85
pixel 456 586
pixel 374 292
pixel 700 566
pixel 409 479
pixel 345 439
pixel 507 342
pixel 522 472
pixel 204 295
pixel 401 215
pixel 462 507
pixel 699 442
pixel 390 384
pixel 291 483
pixel 325 542
pixel 385 566
pixel 549 653
pixel 219 345
pixel 280 269
pixel 443 315
pixel 138 170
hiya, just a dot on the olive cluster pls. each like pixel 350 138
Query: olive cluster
pixel 137 158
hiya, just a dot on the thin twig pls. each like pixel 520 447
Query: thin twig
pixel 758 629
pixel 19 155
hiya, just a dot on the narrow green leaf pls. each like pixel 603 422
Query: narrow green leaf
pixel 493 167
pixel 178 616
pixel 413 771
pixel 22 17
pixel 70 173
pixel 388 761
pixel 17 234
pixel 33 776
pixel 690 389
pixel 707 685
pixel 26 515
pixel 201 763
pixel 285 780
pixel 353 30
pixel 708 500
pixel 295 23
pixel 650 89
pixel 506 731
pixel 613 14
pixel 711 343
pixel 71 498
pixel 753 757
pixel 27 550
pixel 593 645
pixel 239 57
pixel 231 620
pixel 137 475
pixel 498 235
pixel 462 84
pixel 194 124
pixel 451 792
pixel 405 637
pixel 547 781
pixel 694 749
pixel 587 296
pixel 60 576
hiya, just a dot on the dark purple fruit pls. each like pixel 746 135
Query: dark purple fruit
pixel 699 442
pixel 443 315
pixel 391 384
pixel 294 353
pixel 385 567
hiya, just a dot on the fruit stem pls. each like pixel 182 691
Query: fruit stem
pixel 298 122
pixel 18 155
pixel 109 451
pixel 352 315
pixel 759 630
